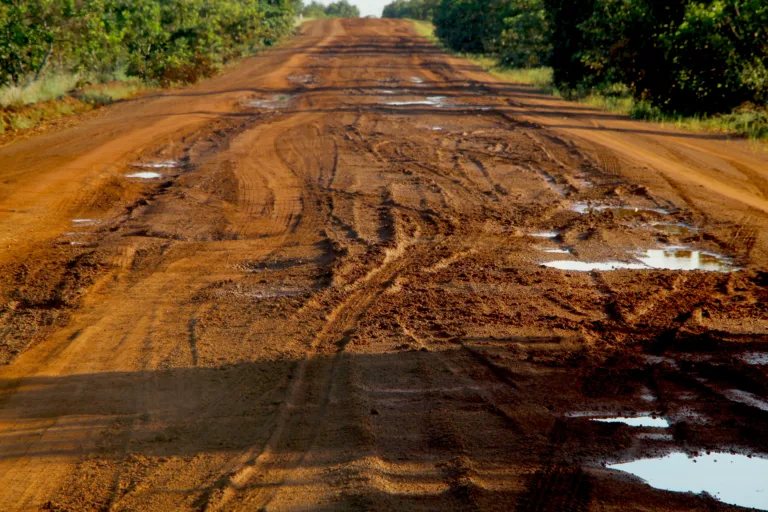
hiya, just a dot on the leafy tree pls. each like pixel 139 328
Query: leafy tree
pixel 342 9
pixel 472 26
pixel 314 10
pixel 414 9
pixel 525 39
pixel 515 31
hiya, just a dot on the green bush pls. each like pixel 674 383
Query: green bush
pixel 412 9
pixel 163 40
pixel 339 9
pixel 682 56
pixel 514 31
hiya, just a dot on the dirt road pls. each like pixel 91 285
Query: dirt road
pixel 333 295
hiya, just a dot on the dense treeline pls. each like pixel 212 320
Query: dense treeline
pixel 163 40
pixel 414 9
pixel 683 56
pixel 340 9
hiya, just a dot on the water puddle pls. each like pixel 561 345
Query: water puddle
pixel 671 258
pixel 557 188
pixel 637 421
pixel 583 266
pixel 431 101
pixel 582 182
pixel 84 222
pixel 674 228
pixel 437 128
pixel 546 234
pixel 647 395
pixel 145 175
pixel 756 358
pixel 273 103
pixel 417 80
pixel 661 360
pixel 685 259
pixel 165 164
pixel 746 398
pixel 619 211
pixel 730 478
pixel 384 91
pixel 302 79
pixel 554 251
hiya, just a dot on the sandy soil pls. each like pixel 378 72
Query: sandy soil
pixel 335 299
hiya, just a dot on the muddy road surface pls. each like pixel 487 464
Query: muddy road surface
pixel 356 273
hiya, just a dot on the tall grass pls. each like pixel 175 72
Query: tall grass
pixel 48 88
pixel 58 95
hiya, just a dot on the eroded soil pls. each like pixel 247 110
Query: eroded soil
pixel 333 295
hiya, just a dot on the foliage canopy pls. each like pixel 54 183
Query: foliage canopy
pixel 164 40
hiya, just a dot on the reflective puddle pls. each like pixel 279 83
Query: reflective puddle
pixel 620 211
pixel 417 80
pixel 733 479
pixel 583 266
pixel 673 228
pixel 84 222
pixel 756 358
pixel 165 164
pixel 554 251
pixel 546 234
pixel 685 259
pixel 431 101
pixel 746 398
pixel 273 103
pixel 302 79
pixel 637 421
pixel 558 188
pixel 671 258
pixel 144 175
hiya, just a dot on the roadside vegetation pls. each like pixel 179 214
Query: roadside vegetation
pixel 340 9
pixel 696 64
pixel 58 57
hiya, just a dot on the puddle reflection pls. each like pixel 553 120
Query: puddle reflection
pixel 684 259
pixel 638 421
pixel 730 478
pixel 145 175
pixel 620 211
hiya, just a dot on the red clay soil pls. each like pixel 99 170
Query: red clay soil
pixel 335 299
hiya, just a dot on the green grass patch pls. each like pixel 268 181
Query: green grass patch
pixel 424 29
pixel 108 93
pixel 538 77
